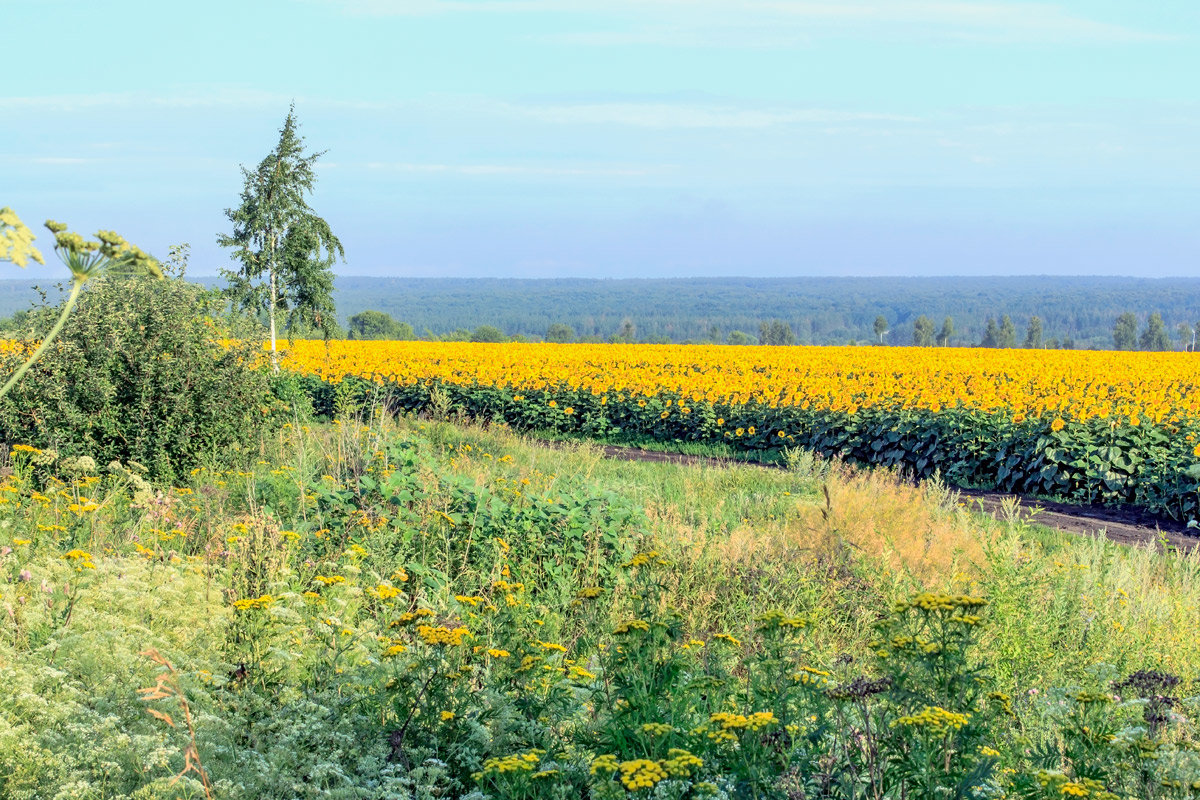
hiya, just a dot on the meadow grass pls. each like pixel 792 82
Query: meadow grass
pixel 411 608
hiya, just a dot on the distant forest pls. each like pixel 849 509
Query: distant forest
pixel 1079 311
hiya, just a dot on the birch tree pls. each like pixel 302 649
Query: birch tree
pixel 285 250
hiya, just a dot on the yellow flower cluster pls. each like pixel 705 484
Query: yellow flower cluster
pixel 936 719
pixel 750 722
pixel 639 773
pixel 384 592
pixel 1064 786
pixel 929 601
pixel 1067 385
pixel 517 762
pixel 81 558
pixel 773 620
pixel 441 635
pixel 250 603
pixel 646 559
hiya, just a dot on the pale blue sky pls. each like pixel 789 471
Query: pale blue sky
pixel 628 137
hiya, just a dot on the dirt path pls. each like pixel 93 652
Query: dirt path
pixel 1122 525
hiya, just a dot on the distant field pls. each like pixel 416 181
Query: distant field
pixel 1106 427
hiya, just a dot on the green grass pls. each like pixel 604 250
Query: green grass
pixel 298 695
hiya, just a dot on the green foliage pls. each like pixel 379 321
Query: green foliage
pixel 86 259
pixel 488 333
pixel 286 251
pixel 923 332
pixel 410 614
pixel 140 373
pixel 1007 334
pixel 377 325
pixel 558 332
pixel 776 332
pixel 1100 460
pixel 740 338
pixel 991 334
pixel 1125 332
pixel 1155 336
pixel 946 333
pixel 1033 336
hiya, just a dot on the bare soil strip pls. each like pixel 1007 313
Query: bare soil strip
pixel 1121 525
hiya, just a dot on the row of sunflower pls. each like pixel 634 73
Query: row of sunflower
pixel 1099 427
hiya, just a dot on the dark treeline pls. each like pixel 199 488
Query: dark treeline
pixel 1071 311
pixel 1075 311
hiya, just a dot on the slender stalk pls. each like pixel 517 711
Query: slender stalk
pixel 76 287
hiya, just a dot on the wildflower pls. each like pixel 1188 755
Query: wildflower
pixel 384 592
pixel 631 625
pixel 725 637
pixel 656 729
pixel 82 559
pixel 1057 425
pixel 752 722
pixel 250 603
pixel 934 718
pixel 447 716
pixel 498 653
pixel 681 763
pixel 1093 697
pixel 641 773
pixel 604 763
pixel 409 616
pixel 579 674
pixel 551 646
pixel 21 542
pixel 441 635
pixel 329 580
pixel 774 620
pixel 517 762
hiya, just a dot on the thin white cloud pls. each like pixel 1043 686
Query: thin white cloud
pixel 60 160
pixel 510 169
pixel 679 115
pixel 211 97
pixel 782 22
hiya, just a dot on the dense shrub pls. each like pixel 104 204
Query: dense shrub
pixel 141 372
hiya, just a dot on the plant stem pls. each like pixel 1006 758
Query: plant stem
pixel 76 286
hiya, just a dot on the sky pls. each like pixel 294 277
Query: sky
pixel 626 138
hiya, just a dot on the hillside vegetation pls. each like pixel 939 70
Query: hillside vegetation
pixel 825 310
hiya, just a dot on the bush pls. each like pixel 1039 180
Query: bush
pixel 140 373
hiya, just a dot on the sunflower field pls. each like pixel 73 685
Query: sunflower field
pixel 1098 427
